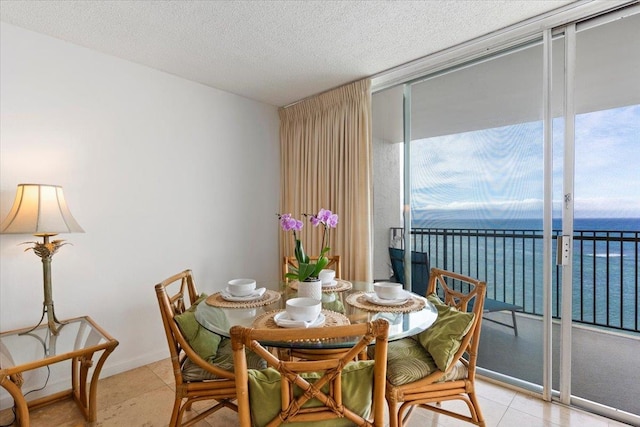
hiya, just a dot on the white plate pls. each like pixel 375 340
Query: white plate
pixel 372 297
pixel 282 319
pixel 330 284
pixel 257 294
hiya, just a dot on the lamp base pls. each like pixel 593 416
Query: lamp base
pixel 45 250
pixel 53 323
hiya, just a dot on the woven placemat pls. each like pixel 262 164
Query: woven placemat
pixel 331 318
pixel 269 297
pixel 341 286
pixel 358 300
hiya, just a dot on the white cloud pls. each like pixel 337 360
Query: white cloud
pixel 500 170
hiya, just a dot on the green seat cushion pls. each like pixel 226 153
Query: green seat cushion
pixel 408 361
pixel 442 339
pixel 204 342
pixel 334 305
pixel 223 360
pixel 357 391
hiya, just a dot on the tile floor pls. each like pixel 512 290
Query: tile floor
pixel 144 397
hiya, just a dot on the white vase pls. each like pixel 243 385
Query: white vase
pixel 310 289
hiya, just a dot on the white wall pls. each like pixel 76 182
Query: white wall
pixel 162 173
pixel 387 179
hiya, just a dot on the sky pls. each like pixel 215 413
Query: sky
pixel 497 173
pixel 608 163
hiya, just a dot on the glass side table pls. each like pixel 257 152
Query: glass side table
pixel 78 340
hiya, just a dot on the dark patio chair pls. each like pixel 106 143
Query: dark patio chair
pixel 420 278
pixel 419 269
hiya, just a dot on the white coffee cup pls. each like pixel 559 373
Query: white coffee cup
pixel 241 287
pixel 304 309
pixel 389 290
pixel 327 276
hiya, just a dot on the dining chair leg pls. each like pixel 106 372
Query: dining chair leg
pixel 393 413
pixel 175 414
pixel 476 409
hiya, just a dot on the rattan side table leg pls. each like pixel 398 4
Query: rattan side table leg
pixel 22 410
pixel 86 398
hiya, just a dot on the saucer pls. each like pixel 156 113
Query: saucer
pixel 282 319
pixel 256 294
pixel 330 284
pixel 373 298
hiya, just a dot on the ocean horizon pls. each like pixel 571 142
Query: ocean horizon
pixel 593 224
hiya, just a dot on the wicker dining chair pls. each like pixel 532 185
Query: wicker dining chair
pixel 339 389
pixel 439 364
pixel 290 261
pixel 196 379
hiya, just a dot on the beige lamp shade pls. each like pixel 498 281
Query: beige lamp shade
pixel 41 210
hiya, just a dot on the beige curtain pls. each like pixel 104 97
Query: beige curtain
pixel 325 149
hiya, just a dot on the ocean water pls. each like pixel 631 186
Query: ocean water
pixel 507 254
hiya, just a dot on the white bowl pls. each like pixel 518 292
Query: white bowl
pixel 327 276
pixel 304 309
pixel 241 287
pixel 389 290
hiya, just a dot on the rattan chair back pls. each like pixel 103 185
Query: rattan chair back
pixel 291 406
pixel 422 393
pixel 222 390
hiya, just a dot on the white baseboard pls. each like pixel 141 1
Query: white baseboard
pixel 126 365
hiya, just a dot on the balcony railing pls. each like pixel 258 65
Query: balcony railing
pixel 606 290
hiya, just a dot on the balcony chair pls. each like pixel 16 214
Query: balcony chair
pixel 333 391
pixel 202 360
pixel 420 268
pixel 420 277
pixel 439 364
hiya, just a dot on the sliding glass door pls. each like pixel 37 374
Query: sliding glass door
pixel 520 168
pixel 606 204
pixel 476 162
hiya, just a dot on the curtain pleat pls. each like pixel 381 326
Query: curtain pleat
pixel 325 153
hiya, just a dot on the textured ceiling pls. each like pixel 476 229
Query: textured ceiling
pixel 277 52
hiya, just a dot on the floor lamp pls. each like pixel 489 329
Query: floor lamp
pixel 41 210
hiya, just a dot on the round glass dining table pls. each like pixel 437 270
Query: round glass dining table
pixel 402 323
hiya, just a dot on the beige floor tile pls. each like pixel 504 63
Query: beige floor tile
pixel 150 409
pixel 122 387
pixel 491 391
pixel 225 417
pixel 578 418
pixel 423 418
pixel 492 411
pixel 164 370
pixel 556 413
pixel 513 417
pixel 60 414
pixel 203 405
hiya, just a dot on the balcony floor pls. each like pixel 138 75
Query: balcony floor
pixel 605 365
